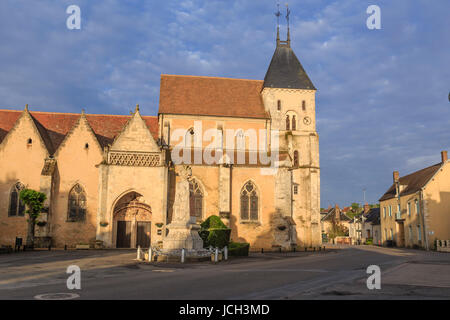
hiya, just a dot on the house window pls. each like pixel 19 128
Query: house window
pixel 385 234
pixel 16 206
pixel 390 211
pixel 288 123
pixel 409 208
pixel 410 233
pixel 417 207
pixel 295 189
pixel 295 158
pixel 195 200
pixel 29 141
pixel 392 234
pixel 77 204
pixel 303 105
pixel 279 105
pixel 249 202
pixel 384 211
pixel 419 234
pixel 294 123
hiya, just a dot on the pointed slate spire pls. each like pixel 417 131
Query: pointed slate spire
pixel 285 70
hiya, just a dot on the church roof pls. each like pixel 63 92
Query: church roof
pixel 53 126
pixel 285 71
pixel 210 96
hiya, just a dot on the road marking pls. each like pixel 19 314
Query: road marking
pixel 163 270
pixel 57 296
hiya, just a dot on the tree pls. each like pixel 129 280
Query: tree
pixel 34 201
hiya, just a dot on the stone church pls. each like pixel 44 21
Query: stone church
pixel 112 177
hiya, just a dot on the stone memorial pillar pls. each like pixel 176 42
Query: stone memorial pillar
pixel 183 231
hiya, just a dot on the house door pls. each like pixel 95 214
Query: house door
pixel 143 234
pixel 123 234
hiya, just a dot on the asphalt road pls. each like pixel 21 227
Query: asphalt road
pixel 338 273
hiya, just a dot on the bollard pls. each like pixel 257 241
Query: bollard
pixel 150 254
pixel 306 249
pixel 314 249
pixel 279 249
pixel 225 253
pixel 139 253
pixel 216 256
pixel 49 247
pixel 183 255
pixel 294 249
pixel 262 250
pixel 65 247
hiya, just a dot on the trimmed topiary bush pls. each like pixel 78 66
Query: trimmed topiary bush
pixel 213 222
pixel 214 233
pixel 238 249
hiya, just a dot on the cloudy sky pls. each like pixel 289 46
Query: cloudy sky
pixel 382 100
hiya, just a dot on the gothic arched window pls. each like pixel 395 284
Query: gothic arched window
pixel 288 123
pixel 249 202
pixel 295 158
pixel 189 138
pixel 77 204
pixel 294 124
pixel 195 199
pixel 240 140
pixel 16 206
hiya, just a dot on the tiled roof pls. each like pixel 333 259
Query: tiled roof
pixel 373 216
pixel 413 182
pixel 7 120
pixel 332 213
pixel 54 126
pixel 192 95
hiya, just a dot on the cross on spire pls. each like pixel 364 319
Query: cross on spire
pixel 278 14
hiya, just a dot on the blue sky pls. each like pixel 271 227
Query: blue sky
pixel 382 101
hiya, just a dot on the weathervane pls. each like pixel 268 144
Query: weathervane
pixel 278 14
pixel 288 12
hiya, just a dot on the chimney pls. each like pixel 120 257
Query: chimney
pixel 444 156
pixel 337 212
pixel 366 208
pixel 396 176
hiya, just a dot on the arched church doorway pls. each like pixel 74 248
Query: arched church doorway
pixel 132 222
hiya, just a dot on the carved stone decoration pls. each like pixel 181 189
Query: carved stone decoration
pixel 183 231
pixel 134 159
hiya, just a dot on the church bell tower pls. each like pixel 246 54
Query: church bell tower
pixel 289 98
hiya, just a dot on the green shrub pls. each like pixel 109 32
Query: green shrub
pixel 214 233
pixel 213 222
pixel 369 241
pixel 218 238
pixel 238 249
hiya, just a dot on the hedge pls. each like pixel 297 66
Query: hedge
pixel 238 249
pixel 214 233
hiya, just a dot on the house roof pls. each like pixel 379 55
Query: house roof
pixel 373 216
pixel 332 213
pixel 53 126
pixel 413 182
pixel 194 95
pixel 286 71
